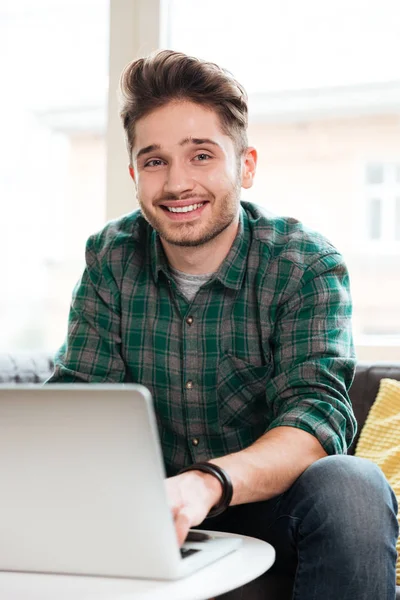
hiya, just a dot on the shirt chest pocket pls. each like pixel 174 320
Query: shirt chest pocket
pixel 241 390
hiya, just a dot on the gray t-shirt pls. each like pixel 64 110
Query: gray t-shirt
pixel 188 284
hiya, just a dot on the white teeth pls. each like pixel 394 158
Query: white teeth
pixel 185 209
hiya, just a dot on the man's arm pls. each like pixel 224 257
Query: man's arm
pixel 314 366
pixel 271 465
pixel 91 352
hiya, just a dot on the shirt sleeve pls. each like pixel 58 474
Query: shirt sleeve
pixel 91 352
pixel 314 360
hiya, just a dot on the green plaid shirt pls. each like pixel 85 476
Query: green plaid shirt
pixel 266 342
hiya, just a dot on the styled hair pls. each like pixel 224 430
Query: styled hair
pixel 164 76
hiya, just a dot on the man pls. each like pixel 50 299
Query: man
pixel 239 323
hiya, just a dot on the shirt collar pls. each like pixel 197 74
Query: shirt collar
pixel 231 271
pixel 158 260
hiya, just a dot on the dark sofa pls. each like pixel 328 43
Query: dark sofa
pixel 35 368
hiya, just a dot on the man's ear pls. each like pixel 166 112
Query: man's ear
pixel 249 164
pixel 132 172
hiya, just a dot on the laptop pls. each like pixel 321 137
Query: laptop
pixel 82 486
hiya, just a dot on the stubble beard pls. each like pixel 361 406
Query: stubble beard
pixel 184 235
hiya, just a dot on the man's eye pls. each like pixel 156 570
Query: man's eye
pixel 153 163
pixel 202 157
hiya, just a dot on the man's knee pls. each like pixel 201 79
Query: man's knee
pixel 348 476
pixel 351 493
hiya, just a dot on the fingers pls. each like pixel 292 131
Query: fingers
pixel 188 504
pixel 182 525
pixel 174 495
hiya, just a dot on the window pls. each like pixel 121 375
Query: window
pixel 375 219
pixel 397 220
pixel 374 174
pixel 383 193
pixel 54 61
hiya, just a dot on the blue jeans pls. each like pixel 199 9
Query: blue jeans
pixel 334 531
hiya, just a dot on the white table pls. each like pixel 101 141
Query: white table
pixel 250 561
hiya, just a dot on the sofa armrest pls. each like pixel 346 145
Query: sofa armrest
pixel 22 368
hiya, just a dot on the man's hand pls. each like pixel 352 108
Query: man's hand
pixel 191 497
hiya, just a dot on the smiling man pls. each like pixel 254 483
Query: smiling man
pixel 189 189
pixel 239 323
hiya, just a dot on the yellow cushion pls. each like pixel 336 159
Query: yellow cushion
pixel 380 439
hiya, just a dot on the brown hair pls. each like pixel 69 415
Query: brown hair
pixel 149 83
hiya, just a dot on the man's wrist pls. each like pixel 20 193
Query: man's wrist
pixel 224 479
pixel 213 488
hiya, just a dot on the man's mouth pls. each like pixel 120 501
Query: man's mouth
pixel 184 209
pixel 179 210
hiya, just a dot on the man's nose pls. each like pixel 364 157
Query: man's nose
pixel 178 179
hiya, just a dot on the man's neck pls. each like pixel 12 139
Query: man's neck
pixel 206 258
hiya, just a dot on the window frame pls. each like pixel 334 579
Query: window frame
pixel 137 27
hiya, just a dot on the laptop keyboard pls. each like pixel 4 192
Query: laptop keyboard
pixel 185 552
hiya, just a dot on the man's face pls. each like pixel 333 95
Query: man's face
pixel 187 174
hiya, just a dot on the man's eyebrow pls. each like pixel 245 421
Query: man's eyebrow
pixel 184 142
pixel 199 141
pixel 148 149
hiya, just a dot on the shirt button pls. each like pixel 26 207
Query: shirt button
pixel 195 441
pixel 189 320
pixel 189 385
